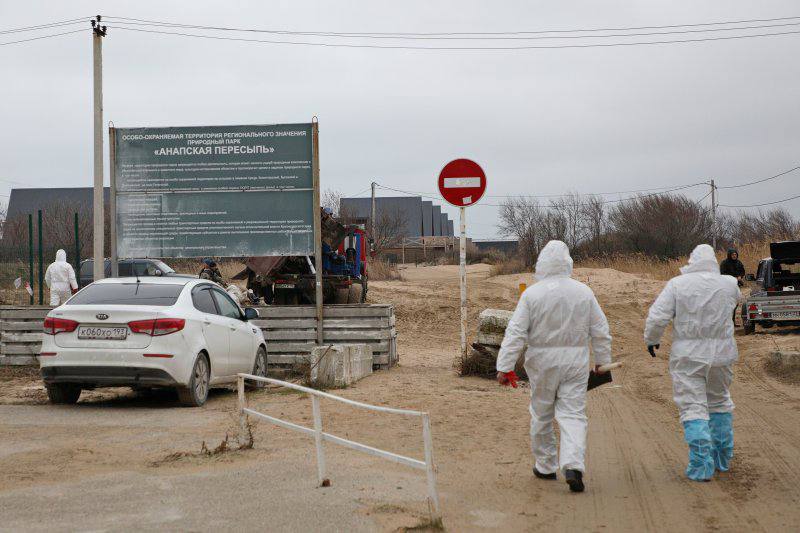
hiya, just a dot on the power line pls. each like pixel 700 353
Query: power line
pixel 426 34
pixel 761 180
pixel 428 195
pixel 509 37
pixel 586 194
pixel 761 204
pixel 359 193
pixel 69 22
pixel 41 37
pixel 456 48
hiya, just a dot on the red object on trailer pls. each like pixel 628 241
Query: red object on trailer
pixel 462 182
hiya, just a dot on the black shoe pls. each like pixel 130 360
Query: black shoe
pixel 574 480
pixel 543 476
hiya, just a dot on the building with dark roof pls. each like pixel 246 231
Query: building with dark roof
pixel 22 202
pixel 420 218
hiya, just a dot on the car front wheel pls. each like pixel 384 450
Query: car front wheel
pixel 196 393
pixel 63 393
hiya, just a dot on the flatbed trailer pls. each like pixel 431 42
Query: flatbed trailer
pixel 775 300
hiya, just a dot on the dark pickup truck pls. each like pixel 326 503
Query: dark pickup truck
pixel 127 267
pixel 775 299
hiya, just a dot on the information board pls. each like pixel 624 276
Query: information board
pixel 224 191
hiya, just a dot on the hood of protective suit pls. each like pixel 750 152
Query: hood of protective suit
pixel 61 256
pixel 554 260
pixel 702 259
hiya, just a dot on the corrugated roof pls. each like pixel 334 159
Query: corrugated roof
pixel 21 202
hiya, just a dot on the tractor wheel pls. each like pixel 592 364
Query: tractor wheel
pixel 355 293
pixel 342 296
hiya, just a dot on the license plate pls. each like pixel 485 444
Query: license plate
pixel 787 314
pixel 106 334
pixel 284 285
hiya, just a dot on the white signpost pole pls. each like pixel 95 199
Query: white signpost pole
pixel 462 183
pixel 462 266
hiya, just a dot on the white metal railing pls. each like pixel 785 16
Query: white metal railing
pixel 320 436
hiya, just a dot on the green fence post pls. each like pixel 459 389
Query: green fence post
pixel 30 253
pixel 77 249
pixel 41 258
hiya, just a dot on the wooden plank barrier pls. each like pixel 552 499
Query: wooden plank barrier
pixel 289 331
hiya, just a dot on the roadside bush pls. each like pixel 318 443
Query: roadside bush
pixel 379 270
pixel 510 266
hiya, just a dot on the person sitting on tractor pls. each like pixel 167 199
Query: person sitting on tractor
pixel 211 272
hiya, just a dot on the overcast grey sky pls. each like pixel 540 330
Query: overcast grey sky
pixel 538 121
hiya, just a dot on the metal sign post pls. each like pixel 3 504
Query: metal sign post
pixel 462 183
pixel 112 200
pixel 462 270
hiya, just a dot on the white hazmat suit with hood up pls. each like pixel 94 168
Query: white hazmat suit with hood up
pixel 60 277
pixel 700 302
pixel 558 318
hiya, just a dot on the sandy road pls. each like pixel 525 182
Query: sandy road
pixel 106 448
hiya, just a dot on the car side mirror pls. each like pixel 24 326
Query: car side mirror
pixel 251 313
pixel 749 277
pixel 157 272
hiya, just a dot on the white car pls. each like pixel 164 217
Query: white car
pixel 187 334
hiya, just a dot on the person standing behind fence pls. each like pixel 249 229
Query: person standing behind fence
pixel 60 277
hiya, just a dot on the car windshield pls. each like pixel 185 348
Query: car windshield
pixel 127 294
pixel 163 267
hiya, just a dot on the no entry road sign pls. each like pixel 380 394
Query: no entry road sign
pixel 462 182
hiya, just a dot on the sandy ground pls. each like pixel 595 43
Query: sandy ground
pixel 106 463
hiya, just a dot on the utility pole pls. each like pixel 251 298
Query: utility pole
pixel 98 32
pixel 713 216
pixel 372 216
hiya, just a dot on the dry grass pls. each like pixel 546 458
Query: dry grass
pixel 509 266
pixel 652 268
pixel 641 264
pixel 636 264
pixel 383 271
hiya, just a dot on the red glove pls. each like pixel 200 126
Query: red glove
pixel 74 291
pixel 508 378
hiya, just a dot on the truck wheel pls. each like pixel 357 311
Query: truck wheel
pixel 293 298
pixel 63 393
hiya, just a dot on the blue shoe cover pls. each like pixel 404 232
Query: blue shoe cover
pixel 698 437
pixel 721 425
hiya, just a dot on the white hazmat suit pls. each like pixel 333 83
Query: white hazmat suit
pixel 700 302
pixel 60 277
pixel 558 318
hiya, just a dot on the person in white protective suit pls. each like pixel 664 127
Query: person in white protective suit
pixel 558 318
pixel 700 302
pixel 60 277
